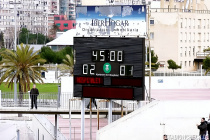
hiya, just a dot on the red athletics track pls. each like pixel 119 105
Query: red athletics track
pixel 180 94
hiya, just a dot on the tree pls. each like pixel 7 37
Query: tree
pixel 22 64
pixel 29 38
pixel 68 63
pixel 154 60
pixel 172 65
pixel 53 30
pixel 1 40
pixel 206 64
pixel 48 54
pixel 208 49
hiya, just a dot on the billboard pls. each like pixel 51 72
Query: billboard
pixel 126 20
pixel 109 68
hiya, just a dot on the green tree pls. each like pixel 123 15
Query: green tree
pixel 1 50
pixel 154 60
pixel 172 65
pixel 68 63
pixel 22 64
pixel 1 40
pixel 206 64
pixel 28 38
pixel 48 54
pixel 208 49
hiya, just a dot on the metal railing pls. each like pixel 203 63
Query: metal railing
pixel 202 54
pixel 59 100
pixel 160 73
pixel 174 10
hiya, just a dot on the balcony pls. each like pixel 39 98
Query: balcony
pixel 201 55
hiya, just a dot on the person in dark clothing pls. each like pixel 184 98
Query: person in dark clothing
pixel 208 127
pixel 94 102
pixel 203 128
pixel 165 137
pixel 33 94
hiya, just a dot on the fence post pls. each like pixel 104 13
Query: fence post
pixel 28 99
pixel 0 98
pixel 59 94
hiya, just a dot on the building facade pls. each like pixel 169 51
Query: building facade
pixel 179 30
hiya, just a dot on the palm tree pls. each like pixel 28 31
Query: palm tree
pixel 21 64
pixel 68 64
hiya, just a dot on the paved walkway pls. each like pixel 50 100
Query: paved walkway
pixel 63 125
pixel 180 94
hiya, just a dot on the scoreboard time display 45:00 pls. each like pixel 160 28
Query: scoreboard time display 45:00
pixel 109 68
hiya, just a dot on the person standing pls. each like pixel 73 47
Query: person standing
pixel 33 94
pixel 208 127
pixel 202 127
pixel 93 101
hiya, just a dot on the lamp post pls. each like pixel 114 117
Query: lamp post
pixel 15 45
pixel 148 20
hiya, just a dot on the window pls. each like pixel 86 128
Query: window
pixel 204 37
pixel 185 64
pixel 204 23
pixel 152 35
pixel 181 36
pixel 185 37
pixel 181 24
pixel 189 63
pixel 181 63
pixel 185 22
pixel 199 23
pixel 181 52
pixel 65 30
pixel 65 24
pixel 58 24
pixel 152 22
pixel 190 23
pixel 185 53
pixel 189 51
pixel 56 18
pixel 189 37
pixel 193 37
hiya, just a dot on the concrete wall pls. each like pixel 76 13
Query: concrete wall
pixel 151 122
pixel 178 82
pixel 67 84
pixel 40 130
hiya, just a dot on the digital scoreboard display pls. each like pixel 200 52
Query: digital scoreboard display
pixel 109 68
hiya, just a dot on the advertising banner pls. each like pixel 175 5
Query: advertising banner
pixel 123 20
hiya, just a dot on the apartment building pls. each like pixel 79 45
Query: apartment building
pixel 31 14
pixel 180 30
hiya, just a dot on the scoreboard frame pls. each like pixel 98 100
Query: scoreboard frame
pixel 109 84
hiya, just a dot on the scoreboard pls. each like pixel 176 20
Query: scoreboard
pixel 109 68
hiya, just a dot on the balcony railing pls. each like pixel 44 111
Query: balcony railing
pixel 202 54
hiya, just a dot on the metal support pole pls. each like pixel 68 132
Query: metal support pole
pixel 90 118
pixel 149 54
pixel 121 108
pixel 82 118
pixel 28 99
pixel 59 94
pixel 56 126
pixel 139 104
pixel 0 98
pixel 201 70
pixel 98 115
pixel 110 112
pixel 18 134
pixel 70 118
